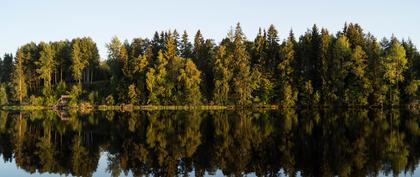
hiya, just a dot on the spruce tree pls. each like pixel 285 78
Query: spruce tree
pixel 186 46
pixel 241 66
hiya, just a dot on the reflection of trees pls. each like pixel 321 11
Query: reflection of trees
pixel 168 143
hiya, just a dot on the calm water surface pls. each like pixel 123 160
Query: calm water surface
pixel 211 143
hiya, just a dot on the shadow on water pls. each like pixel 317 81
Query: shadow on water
pixel 175 143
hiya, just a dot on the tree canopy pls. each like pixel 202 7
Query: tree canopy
pixel 351 68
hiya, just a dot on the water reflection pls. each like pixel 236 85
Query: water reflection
pixel 181 143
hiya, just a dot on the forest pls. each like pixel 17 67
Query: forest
pixel 350 68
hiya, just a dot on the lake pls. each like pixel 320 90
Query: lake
pixel 288 142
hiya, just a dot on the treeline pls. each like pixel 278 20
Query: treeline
pixel 350 68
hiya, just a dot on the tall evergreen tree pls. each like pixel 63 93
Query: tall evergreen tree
pixel 186 46
pixel 287 94
pixel 222 76
pixel 272 53
pixel 7 67
pixel 45 66
pixel 19 89
pixel 341 54
pixel 242 75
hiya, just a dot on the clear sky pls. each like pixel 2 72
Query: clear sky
pixel 23 21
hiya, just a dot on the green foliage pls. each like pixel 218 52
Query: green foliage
pixel 349 69
pixel 287 94
pixel 190 79
pixel 75 92
pixel 45 65
pixel 19 90
pixel 37 101
pixel 3 95
pixel 358 86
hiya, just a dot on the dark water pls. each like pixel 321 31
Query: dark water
pixel 233 143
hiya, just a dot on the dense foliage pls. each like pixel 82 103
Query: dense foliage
pixel 349 68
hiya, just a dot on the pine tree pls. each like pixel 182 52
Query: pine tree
pixel 341 54
pixel 288 95
pixel 45 66
pixel 18 79
pixel 7 67
pixel 323 55
pixel 77 61
pixel 259 55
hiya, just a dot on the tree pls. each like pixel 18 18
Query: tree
pixel 202 56
pixel 61 59
pixel 272 50
pixel 156 79
pixel 288 95
pixel 186 46
pixel 341 54
pixel 19 89
pixel 7 67
pixel 323 55
pixel 260 44
pixel 241 66
pixel 45 66
pixel 395 63
pixel 77 62
pixel 358 86
pixel 222 76
pixel 190 79
pixel 375 71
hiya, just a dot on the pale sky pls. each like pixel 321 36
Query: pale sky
pixel 23 21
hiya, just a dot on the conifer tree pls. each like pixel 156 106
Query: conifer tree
pixel 45 65
pixel 287 94
pixel 341 54
pixel 186 46
pixel 7 67
pixel 242 75
pixel 19 89
pixel 222 76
